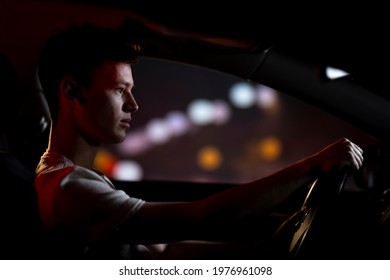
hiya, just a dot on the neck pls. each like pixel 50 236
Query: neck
pixel 72 146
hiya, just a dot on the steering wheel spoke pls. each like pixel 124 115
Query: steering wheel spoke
pixel 321 195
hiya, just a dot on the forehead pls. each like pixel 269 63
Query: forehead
pixel 113 72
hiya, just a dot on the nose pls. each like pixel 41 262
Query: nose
pixel 131 104
pixel 135 109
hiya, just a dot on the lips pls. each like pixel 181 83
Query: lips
pixel 126 122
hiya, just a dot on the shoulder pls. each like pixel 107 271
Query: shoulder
pixel 76 179
pixel 84 176
pixel 57 170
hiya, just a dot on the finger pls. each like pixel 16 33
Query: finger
pixel 357 149
pixel 358 154
pixel 361 157
pixel 355 154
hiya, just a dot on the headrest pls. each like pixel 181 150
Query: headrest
pixel 24 116
pixel 20 103
pixel 12 94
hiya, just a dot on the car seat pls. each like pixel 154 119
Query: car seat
pixel 20 228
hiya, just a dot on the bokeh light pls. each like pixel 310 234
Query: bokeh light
pixel 104 161
pixel 201 112
pixel 266 97
pixel 127 170
pixel 222 112
pixel 269 148
pixel 177 122
pixel 157 131
pixel 242 95
pixel 135 143
pixel 209 158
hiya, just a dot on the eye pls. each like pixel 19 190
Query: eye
pixel 120 90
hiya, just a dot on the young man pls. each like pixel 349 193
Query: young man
pixel 86 75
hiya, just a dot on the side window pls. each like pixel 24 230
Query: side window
pixel 196 124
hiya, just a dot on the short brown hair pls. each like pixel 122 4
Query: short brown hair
pixel 75 51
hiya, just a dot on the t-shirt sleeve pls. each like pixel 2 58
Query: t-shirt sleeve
pixel 87 204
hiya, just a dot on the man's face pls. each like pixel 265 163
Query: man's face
pixel 106 114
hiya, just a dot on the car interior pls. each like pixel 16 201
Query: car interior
pixel 348 217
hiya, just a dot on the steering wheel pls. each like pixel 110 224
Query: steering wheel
pixel 321 195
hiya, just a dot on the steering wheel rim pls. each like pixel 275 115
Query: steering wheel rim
pixel 322 193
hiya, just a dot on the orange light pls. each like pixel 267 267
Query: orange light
pixel 269 148
pixel 209 158
pixel 104 161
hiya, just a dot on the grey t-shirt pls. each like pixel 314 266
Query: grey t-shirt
pixel 82 205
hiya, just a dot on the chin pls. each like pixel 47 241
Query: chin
pixel 114 139
pixel 120 139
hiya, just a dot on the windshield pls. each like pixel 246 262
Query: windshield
pixel 201 125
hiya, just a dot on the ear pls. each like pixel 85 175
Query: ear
pixel 71 90
pixel 68 88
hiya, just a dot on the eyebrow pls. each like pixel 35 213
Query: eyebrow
pixel 127 84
